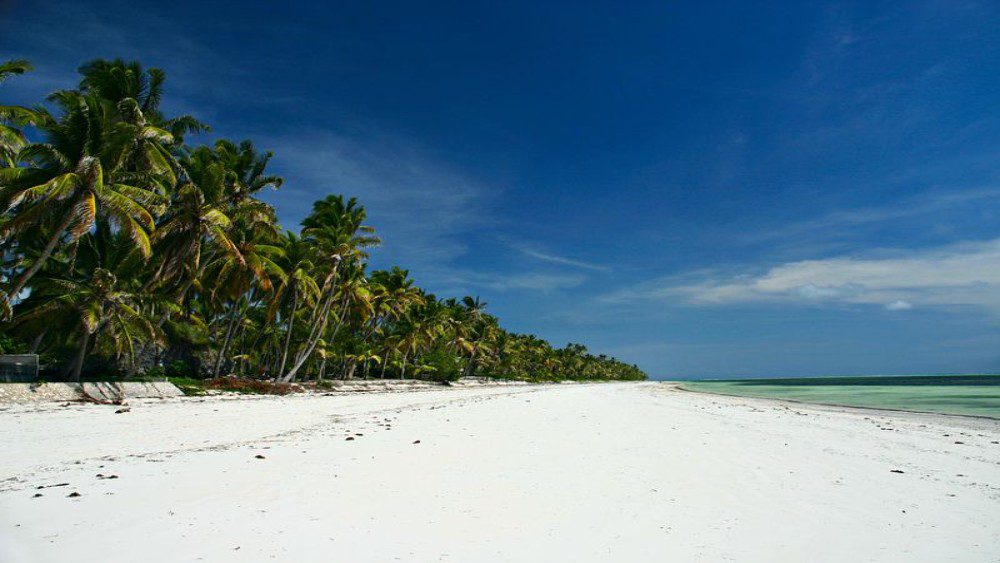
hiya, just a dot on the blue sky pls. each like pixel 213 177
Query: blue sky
pixel 704 188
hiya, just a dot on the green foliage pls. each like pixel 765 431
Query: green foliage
pixel 126 252
pixel 189 386
pixel 443 364
pixel 11 345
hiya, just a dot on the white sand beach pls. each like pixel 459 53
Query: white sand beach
pixel 600 472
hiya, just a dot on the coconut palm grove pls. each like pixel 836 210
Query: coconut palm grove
pixel 131 251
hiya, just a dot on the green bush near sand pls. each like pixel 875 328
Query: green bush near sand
pixel 189 385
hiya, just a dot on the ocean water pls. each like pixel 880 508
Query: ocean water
pixel 976 395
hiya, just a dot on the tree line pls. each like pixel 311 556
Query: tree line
pixel 127 252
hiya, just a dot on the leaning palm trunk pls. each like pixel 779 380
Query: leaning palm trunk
pixel 22 282
pixel 471 365
pixel 37 342
pixel 80 355
pixel 312 341
pixel 291 324
pixel 319 325
pixel 402 370
pixel 229 335
pixel 76 368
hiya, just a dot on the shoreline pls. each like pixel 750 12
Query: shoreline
pixel 884 410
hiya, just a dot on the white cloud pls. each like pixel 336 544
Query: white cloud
pixel 899 305
pixel 966 274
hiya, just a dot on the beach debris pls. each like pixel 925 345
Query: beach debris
pixel 102 476
pixel 50 486
pixel 258 456
pixel 895 471
pixel 957 442
pixel 123 410
pixel 36 495
pixel 416 441
pixel 74 494
pixel 349 438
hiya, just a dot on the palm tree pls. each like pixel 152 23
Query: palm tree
pixel 73 180
pixel 335 229
pixel 102 307
pixel 197 217
pixel 298 287
pixel 471 328
pixel 236 281
pixel 121 81
pixel 12 138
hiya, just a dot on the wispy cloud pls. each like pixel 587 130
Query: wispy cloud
pixel 457 281
pixel 966 274
pixel 422 208
pixel 843 223
pixel 533 281
pixel 561 260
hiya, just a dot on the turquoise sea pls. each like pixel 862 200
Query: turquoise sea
pixel 976 395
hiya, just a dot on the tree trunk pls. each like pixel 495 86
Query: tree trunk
pixel 472 361
pixel 80 355
pixel 402 369
pixel 229 335
pixel 37 342
pixel 291 324
pixel 322 370
pixel 312 341
pixel 46 253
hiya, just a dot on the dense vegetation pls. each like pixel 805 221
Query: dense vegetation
pixel 128 252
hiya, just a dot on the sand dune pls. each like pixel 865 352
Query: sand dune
pixel 616 472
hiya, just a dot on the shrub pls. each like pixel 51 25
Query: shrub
pixel 188 385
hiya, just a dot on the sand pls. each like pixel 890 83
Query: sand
pixel 601 472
